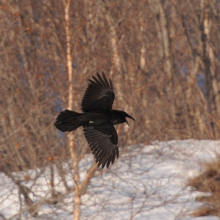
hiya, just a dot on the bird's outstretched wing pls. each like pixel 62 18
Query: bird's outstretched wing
pixel 103 142
pixel 99 94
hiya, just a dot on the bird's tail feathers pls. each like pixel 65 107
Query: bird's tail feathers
pixel 68 121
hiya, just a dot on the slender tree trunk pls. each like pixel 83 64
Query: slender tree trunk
pixel 212 83
pixel 160 13
pixel 164 40
pixel 113 40
pixel 77 201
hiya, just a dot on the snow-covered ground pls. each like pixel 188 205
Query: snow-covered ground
pixel 147 182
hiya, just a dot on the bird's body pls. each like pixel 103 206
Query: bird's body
pixel 88 119
pixel 98 120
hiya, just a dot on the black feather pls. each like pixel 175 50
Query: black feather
pixel 98 120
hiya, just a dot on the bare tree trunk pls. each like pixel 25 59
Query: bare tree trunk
pixel 212 84
pixel 164 40
pixel 115 64
pixel 77 201
pixel 113 40
pixel 160 13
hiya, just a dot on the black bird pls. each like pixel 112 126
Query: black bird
pixel 98 120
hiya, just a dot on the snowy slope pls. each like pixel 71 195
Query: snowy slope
pixel 147 182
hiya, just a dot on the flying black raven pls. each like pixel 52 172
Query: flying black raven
pixel 98 120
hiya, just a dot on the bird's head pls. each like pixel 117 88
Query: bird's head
pixel 120 117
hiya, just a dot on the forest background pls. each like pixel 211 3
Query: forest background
pixel 162 56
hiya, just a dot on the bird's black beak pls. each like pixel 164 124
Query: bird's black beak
pixel 130 118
